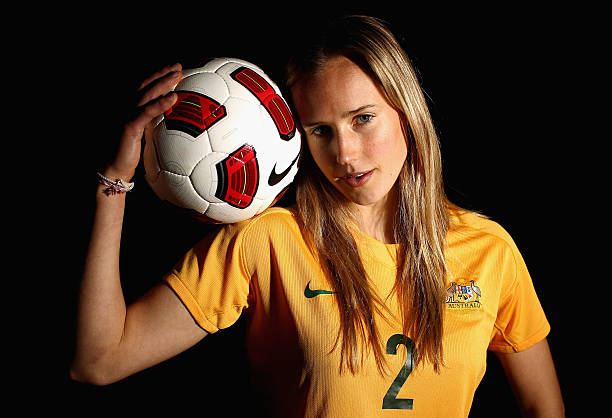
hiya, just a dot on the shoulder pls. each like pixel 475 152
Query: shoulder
pixel 272 224
pixel 479 233
pixel 465 223
pixel 479 244
pixel 270 219
pixel 275 215
pixel 248 240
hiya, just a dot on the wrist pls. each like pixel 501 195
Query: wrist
pixel 113 173
pixel 112 186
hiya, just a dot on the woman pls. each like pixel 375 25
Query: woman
pixel 373 296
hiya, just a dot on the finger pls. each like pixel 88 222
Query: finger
pixel 160 87
pixel 159 74
pixel 150 112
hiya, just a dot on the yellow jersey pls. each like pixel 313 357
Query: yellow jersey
pixel 264 267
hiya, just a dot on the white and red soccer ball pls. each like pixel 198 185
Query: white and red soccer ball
pixel 228 148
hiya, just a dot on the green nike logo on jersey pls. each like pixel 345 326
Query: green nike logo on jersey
pixel 309 293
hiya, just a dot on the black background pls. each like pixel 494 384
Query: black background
pixel 504 89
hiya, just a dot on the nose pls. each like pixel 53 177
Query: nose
pixel 347 147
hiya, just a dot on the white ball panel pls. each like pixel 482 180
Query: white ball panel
pixel 180 149
pixel 204 176
pixel 178 190
pixel 191 71
pixel 237 127
pixel 214 64
pixel 208 84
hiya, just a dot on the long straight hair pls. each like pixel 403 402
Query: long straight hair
pixel 422 218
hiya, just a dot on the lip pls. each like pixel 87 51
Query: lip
pixel 357 179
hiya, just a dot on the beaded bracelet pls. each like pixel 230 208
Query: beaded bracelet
pixel 114 187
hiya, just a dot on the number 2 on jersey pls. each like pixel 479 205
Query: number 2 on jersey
pixel 390 400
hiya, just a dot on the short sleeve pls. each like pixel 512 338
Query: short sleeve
pixel 212 280
pixel 520 321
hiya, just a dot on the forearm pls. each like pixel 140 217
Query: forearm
pixel 101 306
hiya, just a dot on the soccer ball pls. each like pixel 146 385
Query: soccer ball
pixel 228 148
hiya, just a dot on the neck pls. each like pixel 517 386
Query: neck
pixel 377 220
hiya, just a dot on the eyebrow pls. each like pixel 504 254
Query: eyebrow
pixel 343 115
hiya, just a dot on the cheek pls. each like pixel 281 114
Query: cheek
pixel 400 153
pixel 389 148
pixel 399 146
pixel 401 149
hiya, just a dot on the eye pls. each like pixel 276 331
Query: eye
pixel 363 119
pixel 321 130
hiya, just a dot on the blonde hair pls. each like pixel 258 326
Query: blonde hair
pixel 422 219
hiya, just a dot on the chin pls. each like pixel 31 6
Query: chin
pixel 364 200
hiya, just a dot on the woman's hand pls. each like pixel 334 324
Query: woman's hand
pixel 156 97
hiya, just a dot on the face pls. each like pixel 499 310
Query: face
pixel 353 133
